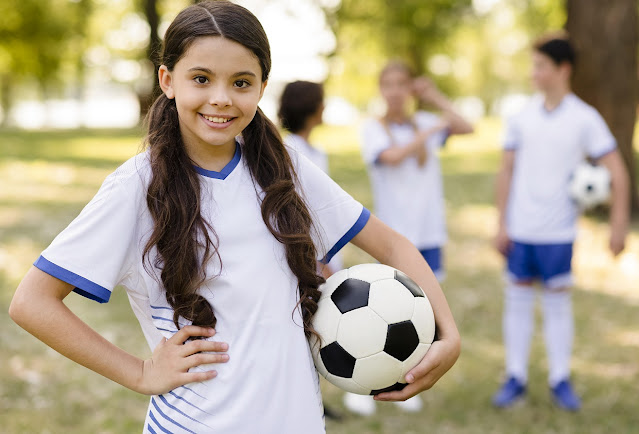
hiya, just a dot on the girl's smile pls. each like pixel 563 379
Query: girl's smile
pixel 216 85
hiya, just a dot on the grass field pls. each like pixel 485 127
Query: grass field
pixel 47 177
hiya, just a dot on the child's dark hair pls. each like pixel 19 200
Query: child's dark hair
pixel 557 48
pixel 180 234
pixel 299 101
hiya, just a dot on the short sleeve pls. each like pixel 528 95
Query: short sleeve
pixel 375 140
pixel 337 216
pixel 598 139
pixel 94 252
pixel 512 135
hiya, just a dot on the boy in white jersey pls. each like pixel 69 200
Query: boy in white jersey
pixel 301 110
pixel 543 145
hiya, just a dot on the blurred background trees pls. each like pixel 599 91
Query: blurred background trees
pixel 65 57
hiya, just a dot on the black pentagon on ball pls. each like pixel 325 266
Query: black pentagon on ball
pixel 401 340
pixel 393 388
pixel 337 360
pixel 409 284
pixel 351 294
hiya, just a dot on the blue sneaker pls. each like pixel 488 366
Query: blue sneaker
pixel 565 397
pixel 509 393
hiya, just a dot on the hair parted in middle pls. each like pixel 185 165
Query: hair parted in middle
pixel 184 240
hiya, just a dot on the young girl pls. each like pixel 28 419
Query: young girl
pixel 401 151
pixel 301 110
pixel 215 241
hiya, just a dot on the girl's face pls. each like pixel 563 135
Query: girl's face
pixel 396 87
pixel 216 85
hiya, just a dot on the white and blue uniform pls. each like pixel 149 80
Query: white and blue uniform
pixel 407 197
pixel 541 216
pixel 269 384
pixel 320 159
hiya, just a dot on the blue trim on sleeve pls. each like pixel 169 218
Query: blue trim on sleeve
pixel 83 286
pixel 226 171
pixel 348 236
pixel 603 154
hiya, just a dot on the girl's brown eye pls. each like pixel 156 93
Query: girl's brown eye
pixel 201 79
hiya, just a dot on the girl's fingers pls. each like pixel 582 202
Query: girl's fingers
pixel 205 359
pixel 186 332
pixel 197 377
pixel 199 346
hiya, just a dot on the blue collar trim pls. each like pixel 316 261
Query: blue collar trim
pixel 226 171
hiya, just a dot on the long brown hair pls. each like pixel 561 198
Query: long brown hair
pixel 184 240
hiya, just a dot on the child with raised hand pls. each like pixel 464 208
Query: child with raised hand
pixel 543 146
pixel 215 241
pixel 401 151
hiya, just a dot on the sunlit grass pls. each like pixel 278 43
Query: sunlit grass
pixel 46 179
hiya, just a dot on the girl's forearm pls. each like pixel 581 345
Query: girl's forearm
pixel 391 248
pixel 405 257
pixel 38 307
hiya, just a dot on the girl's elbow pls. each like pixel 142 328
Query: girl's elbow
pixel 16 309
pixel 19 309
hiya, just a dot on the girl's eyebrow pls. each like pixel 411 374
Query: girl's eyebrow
pixel 208 71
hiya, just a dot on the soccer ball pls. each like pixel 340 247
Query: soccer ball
pixel 375 324
pixel 590 185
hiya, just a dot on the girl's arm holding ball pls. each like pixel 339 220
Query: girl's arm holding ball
pixel 391 248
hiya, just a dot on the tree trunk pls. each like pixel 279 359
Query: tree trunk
pixel 153 52
pixel 605 37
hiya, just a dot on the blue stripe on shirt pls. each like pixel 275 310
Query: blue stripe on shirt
pixel 168 418
pixel 348 236
pixel 83 286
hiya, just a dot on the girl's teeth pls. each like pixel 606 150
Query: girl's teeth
pixel 216 119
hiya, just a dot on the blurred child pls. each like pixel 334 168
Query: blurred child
pixel 401 151
pixel 301 110
pixel 543 145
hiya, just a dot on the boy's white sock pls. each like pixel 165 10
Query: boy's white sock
pixel 518 325
pixel 558 333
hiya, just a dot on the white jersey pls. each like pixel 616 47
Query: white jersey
pixel 407 197
pixel 269 384
pixel 548 148
pixel 320 159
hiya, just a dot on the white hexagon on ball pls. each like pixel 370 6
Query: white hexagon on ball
pixel 377 371
pixel 424 320
pixel 362 332
pixel 391 300
pixel 371 272
pixel 326 320
pixel 347 384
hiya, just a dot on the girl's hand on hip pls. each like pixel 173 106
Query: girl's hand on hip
pixel 169 365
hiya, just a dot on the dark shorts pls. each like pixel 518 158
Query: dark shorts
pixel 433 258
pixel 550 263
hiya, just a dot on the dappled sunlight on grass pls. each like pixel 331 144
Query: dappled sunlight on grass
pixel 46 179
pixel 595 267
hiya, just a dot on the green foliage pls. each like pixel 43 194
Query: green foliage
pixel 484 52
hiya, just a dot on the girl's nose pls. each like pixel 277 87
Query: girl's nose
pixel 220 97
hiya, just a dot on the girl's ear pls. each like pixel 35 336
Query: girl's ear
pixel 263 87
pixel 166 82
